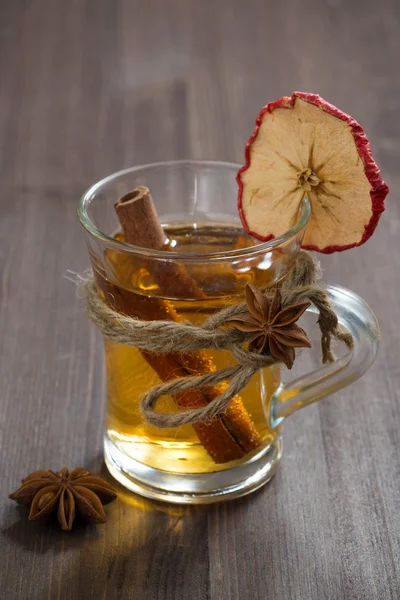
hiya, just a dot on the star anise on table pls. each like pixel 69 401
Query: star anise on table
pixel 67 492
pixel 272 327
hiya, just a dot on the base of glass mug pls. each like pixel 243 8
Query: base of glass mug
pixel 200 488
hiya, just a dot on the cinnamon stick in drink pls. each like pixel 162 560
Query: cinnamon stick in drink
pixel 230 436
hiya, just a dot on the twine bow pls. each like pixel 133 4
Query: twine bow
pixel 167 336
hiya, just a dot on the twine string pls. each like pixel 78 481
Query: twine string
pixel 167 336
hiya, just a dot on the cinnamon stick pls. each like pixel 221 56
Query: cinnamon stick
pixel 230 436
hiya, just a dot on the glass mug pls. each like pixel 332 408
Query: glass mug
pixel 239 451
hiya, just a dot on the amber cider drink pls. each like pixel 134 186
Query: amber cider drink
pixel 129 375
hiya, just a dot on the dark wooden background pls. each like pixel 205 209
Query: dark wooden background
pixel 88 87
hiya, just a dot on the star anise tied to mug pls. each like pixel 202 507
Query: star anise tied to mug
pixel 67 493
pixel 272 328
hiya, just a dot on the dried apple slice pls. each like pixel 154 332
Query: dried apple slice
pixel 304 146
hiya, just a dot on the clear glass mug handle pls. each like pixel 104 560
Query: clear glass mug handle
pixel 357 317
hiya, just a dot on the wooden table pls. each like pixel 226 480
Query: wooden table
pixel 90 87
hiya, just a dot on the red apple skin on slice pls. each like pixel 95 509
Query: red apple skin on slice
pixel 302 134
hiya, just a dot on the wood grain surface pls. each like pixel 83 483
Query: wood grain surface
pixel 88 87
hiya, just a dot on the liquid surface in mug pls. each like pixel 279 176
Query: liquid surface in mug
pixel 129 375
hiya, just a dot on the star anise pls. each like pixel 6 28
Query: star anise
pixel 272 327
pixel 78 490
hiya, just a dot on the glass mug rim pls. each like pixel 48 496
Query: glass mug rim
pixel 93 230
